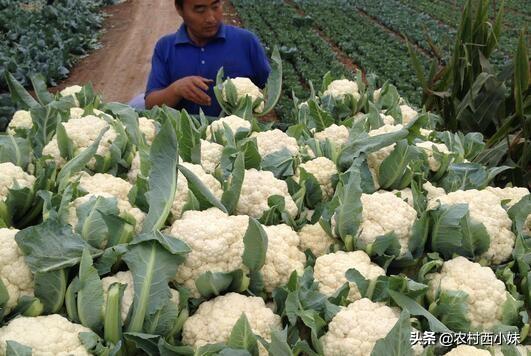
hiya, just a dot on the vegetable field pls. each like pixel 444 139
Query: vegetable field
pixel 391 215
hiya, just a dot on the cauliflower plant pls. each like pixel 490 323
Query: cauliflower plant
pixel 50 335
pixel 128 296
pixel 313 237
pixel 21 121
pixel 76 113
pixel 104 183
pixel 245 87
pixel 486 293
pixel 427 146
pixel 257 187
pixel 71 91
pixel 13 177
pixel 356 328
pixel 375 159
pixel 83 132
pixel 330 271
pixel 336 134
pixel 338 89
pixel 466 350
pixel 14 272
pixel 214 320
pixel 408 114
pixel 234 122
pixel 273 141
pixel 148 127
pixel 323 169
pixel 484 207
pixel 210 155
pixel 405 194
pixel 512 194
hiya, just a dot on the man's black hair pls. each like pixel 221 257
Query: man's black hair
pixel 179 3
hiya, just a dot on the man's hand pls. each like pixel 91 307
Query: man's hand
pixel 193 88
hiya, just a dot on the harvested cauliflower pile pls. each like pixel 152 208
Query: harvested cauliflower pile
pixel 210 155
pixel 214 320
pixel 313 237
pixel 486 293
pixel 257 187
pixel 14 272
pixel 323 169
pixel 338 89
pixel 375 159
pixel 245 87
pixel 273 141
pixel 466 350
pixel 427 146
pixel 218 247
pixel 484 207
pixel 330 271
pixel 355 329
pixel 334 133
pixel 105 183
pixel 234 122
pixel 50 335
pixel 13 177
pixel 21 121
pixel 83 132
pixel 128 296
pixel 399 218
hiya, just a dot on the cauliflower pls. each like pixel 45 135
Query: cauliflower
pixel 486 294
pixel 257 187
pixel 210 155
pixel 513 194
pixel 50 335
pixel 83 132
pixel 484 207
pixel 14 273
pixel 323 169
pixel 399 218
pixel 127 299
pixel 338 89
pixel 217 246
pixel 330 271
pixel 405 194
pixel 245 87
pixel 408 114
pixel 387 119
pixel 428 148
pixel 283 256
pixel 214 320
pixel 375 159
pixel 376 95
pixel 466 350
pixel 71 91
pixel 355 329
pixel 76 113
pixel 21 121
pixel 334 133
pixel 13 177
pixel 134 170
pixel 105 183
pixel 149 128
pixel 313 237
pixel 234 122
pixel 273 141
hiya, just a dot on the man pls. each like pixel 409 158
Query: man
pixel 185 63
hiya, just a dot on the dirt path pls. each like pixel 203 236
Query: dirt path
pixel 120 68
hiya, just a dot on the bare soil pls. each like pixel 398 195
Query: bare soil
pixel 120 68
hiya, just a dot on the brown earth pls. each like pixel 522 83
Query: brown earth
pixel 120 68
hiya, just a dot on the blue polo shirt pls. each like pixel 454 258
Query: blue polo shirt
pixel 238 51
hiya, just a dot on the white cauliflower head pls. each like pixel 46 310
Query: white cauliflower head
pixel 466 350
pixel 13 177
pixel 148 128
pixel 484 207
pixel 323 169
pixel 257 187
pixel 408 114
pixel 355 329
pixel 375 159
pixel 338 89
pixel 512 194
pixel 427 146
pixel 71 91
pixel 330 271
pixel 83 132
pixel 214 320
pixel 21 121
pixel 273 141
pixel 334 133
pixel 399 218
pixel 210 155
pixel 76 113
pixel 313 237
pixel 486 293
pixel 234 122
pixel 245 87
pixel 14 272
pixel 50 335
pixel 105 183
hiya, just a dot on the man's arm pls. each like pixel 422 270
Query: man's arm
pixel 191 88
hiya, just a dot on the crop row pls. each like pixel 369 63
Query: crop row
pixel 372 47
pixel 306 56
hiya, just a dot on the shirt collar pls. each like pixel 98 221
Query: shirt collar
pixel 181 36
